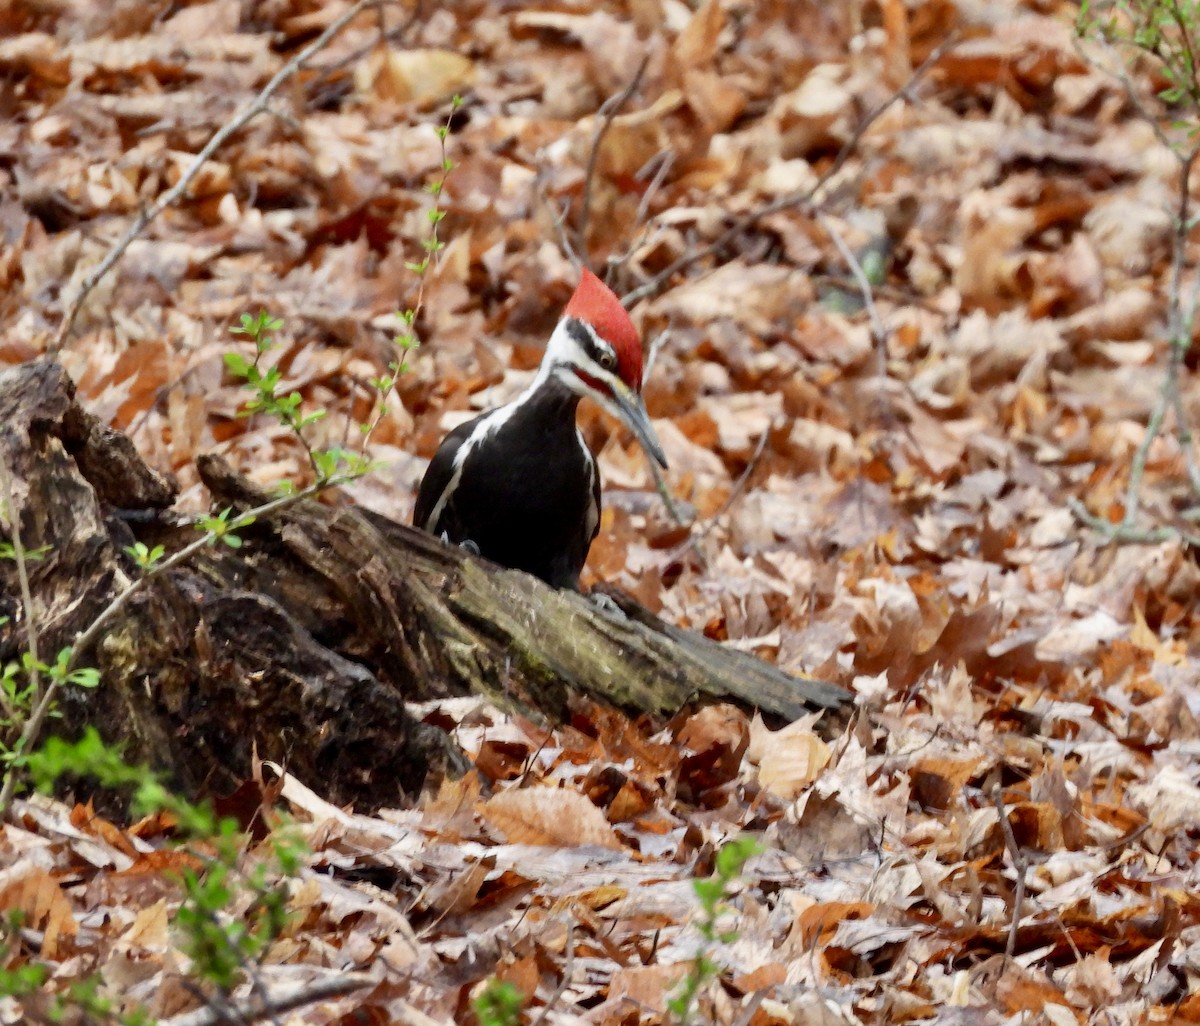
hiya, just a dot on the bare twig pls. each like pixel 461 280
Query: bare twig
pixel 1181 312
pixel 1021 864
pixel 386 35
pixel 1179 340
pixel 664 493
pixel 645 231
pixel 879 334
pixel 284 1000
pixel 8 494
pixel 568 971
pixel 751 1008
pixel 558 215
pixel 662 162
pixel 247 113
pixel 793 199
pixel 605 115
pixel 738 486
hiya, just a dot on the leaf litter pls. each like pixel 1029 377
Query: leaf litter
pixel 890 518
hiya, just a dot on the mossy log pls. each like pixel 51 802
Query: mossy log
pixel 306 644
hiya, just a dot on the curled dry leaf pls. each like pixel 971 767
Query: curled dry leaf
pixel 788 759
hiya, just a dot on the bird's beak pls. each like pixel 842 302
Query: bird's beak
pixel 631 408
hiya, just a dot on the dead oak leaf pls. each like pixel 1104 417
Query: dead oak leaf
pixel 549 817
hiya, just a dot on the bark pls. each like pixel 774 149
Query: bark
pixel 305 644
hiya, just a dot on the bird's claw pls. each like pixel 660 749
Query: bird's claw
pixel 606 605
pixel 466 544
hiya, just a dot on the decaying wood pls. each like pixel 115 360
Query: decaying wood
pixel 306 643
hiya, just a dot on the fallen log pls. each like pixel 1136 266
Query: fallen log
pixel 305 644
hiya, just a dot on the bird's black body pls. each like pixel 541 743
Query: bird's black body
pixel 518 484
pixel 526 493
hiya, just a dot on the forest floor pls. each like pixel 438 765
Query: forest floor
pixel 885 495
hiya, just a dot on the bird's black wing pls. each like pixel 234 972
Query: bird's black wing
pixel 439 475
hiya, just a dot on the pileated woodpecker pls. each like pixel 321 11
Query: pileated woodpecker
pixel 517 483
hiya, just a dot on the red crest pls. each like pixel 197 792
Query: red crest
pixel 596 304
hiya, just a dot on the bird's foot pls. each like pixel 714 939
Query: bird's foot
pixel 606 605
pixel 467 544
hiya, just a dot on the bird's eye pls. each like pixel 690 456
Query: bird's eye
pixel 608 359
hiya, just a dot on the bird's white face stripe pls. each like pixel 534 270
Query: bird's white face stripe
pixel 566 358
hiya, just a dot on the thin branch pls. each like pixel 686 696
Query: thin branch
pixel 879 334
pixel 558 215
pixel 1181 313
pixel 1180 316
pixel 250 111
pixel 607 113
pixel 751 1008
pixel 386 35
pixel 662 161
pixel 1122 532
pixel 284 1000
pixel 1021 864
pixel 568 971
pixel 664 493
pixel 793 199
pixel 31 621
pixel 694 540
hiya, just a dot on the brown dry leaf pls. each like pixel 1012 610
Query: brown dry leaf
pixel 426 77
pixel 697 43
pixel 807 116
pixel 643 986
pixel 905 527
pixel 548 816
pixel 788 759
pixel 35 895
pixel 817 923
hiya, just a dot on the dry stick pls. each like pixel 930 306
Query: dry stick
pixel 901 296
pixel 751 1008
pixel 559 218
pixel 565 982
pixel 665 160
pixel 386 35
pixel 1180 317
pixel 793 199
pixel 646 231
pixel 879 334
pixel 1021 864
pixel 31 622
pixel 281 1001
pixel 253 109
pixel 694 540
pixel 1179 339
pixel 607 113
